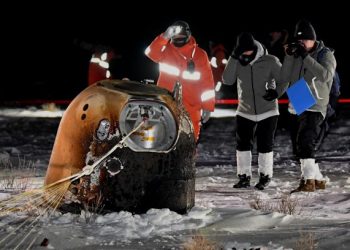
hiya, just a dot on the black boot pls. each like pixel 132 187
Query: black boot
pixel 244 181
pixel 264 180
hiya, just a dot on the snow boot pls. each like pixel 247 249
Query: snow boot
pixel 309 171
pixel 320 184
pixel 305 186
pixel 244 168
pixel 265 162
pixel 264 181
pixel 244 163
pixel 244 181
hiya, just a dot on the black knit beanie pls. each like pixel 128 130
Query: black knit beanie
pixel 245 42
pixel 304 31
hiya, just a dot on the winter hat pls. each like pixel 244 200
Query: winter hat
pixel 304 31
pixel 245 42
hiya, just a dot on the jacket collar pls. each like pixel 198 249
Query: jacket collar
pixel 261 51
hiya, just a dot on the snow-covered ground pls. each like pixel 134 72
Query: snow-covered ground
pixel 222 215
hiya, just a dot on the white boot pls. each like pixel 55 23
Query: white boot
pixel 318 175
pixel 308 173
pixel 265 162
pixel 309 169
pixel 320 181
pixel 244 163
pixel 302 167
pixel 244 168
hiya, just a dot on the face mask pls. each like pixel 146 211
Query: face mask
pixel 180 41
pixel 246 59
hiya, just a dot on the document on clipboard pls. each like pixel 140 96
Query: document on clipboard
pixel 300 96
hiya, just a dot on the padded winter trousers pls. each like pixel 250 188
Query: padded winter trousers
pixel 263 130
pixel 308 129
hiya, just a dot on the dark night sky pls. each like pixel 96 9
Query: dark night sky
pixel 48 64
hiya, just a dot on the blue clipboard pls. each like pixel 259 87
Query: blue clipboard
pixel 300 96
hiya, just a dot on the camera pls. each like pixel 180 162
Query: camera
pixel 292 48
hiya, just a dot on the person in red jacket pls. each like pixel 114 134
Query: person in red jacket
pixel 99 65
pixel 180 59
pixel 218 61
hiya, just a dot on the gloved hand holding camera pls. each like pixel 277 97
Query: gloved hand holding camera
pixel 301 51
pixel 291 48
pixel 296 49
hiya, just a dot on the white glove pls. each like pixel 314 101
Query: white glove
pixel 171 31
pixel 205 116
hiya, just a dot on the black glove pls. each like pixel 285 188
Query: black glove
pixel 291 48
pixel 301 51
pixel 271 94
pixel 236 53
